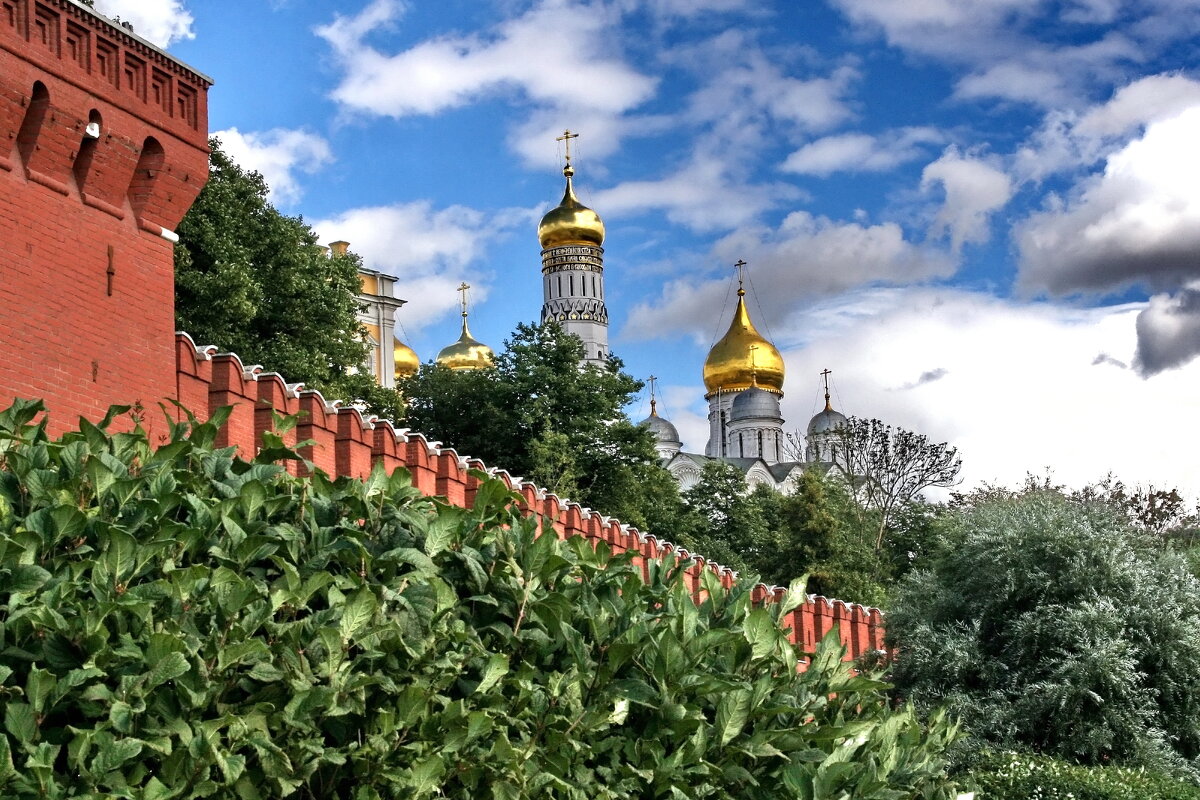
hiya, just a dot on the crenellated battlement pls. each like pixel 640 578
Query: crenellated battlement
pixel 91 111
pixel 346 441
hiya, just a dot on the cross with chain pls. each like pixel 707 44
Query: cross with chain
pixel 825 374
pixel 652 380
pixel 566 139
pixel 740 266
pixel 463 288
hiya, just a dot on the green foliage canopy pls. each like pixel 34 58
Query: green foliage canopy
pixel 255 282
pixel 1048 624
pixel 177 623
pixel 538 414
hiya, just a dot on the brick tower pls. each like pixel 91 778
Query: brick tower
pixel 103 148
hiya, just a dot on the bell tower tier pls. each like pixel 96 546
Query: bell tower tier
pixel 573 287
pixel 571 235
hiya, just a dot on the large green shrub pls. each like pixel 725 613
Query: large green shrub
pixel 1017 776
pixel 177 623
pixel 1048 624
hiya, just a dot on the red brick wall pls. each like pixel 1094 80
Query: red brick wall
pixel 86 302
pixel 349 443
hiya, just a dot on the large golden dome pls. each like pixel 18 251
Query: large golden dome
pixel 466 353
pixel 743 357
pixel 570 222
pixel 406 360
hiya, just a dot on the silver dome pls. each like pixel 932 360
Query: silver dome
pixel 662 429
pixel 754 403
pixel 826 421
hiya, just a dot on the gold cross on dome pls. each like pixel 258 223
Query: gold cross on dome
pixel 462 287
pixel 566 139
pixel 652 380
pixel 825 374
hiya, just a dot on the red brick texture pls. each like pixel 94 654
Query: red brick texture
pixel 86 298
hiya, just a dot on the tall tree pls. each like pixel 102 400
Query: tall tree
pixel 539 414
pixel 889 466
pixel 254 281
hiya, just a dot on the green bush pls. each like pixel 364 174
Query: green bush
pixel 177 623
pixel 1046 624
pixel 1016 776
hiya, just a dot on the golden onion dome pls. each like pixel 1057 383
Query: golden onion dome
pixel 570 222
pixel 406 360
pixel 743 358
pixel 466 353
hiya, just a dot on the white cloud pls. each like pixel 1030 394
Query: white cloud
pixel 429 251
pixel 159 21
pixel 1018 50
pixel 805 259
pixel 974 189
pixel 1068 139
pixel 519 55
pixel 277 154
pixel 701 195
pixel 1137 223
pixel 860 152
pixel 1022 387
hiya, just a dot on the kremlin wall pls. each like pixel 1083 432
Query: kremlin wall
pixel 104 148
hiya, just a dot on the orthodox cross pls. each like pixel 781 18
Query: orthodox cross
pixel 566 139
pixel 753 366
pixel 740 266
pixel 825 374
pixel 652 381
pixel 463 288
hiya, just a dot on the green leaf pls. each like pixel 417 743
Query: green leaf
pixel 761 632
pixel 497 668
pixel 169 667
pixel 21 722
pixel 6 761
pixel 24 578
pixel 733 710
pixel 38 687
pixel 357 613
pixel 119 555
pixel 111 755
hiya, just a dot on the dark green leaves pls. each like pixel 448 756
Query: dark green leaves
pixel 179 624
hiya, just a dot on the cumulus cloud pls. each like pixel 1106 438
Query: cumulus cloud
pixel 804 259
pixel 1020 387
pixel 1016 49
pixel 702 195
pixel 278 154
pixel 159 21
pixel 1169 331
pixel 1069 139
pixel 861 152
pixel 974 189
pixel 1136 223
pixel 516 57
pixel 430 251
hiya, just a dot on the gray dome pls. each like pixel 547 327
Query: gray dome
pixel 826 421
pixel 662 429
pixel 754 403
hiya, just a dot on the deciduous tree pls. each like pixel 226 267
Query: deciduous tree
pixel 889 466
pixel 255 282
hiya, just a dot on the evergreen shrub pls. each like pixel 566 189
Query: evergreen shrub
pixel 178 623
pixel 1017 776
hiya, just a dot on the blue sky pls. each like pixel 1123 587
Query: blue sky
pixel 982 215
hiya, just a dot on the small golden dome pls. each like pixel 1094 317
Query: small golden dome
pixel 466 353
pixel 406 360
pixel 743 358
pixel 571 222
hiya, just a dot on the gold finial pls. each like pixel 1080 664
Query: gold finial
pixel 462 287
pixel 566 138
pixel 653 403
pixel 825 374
pixel 740 266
